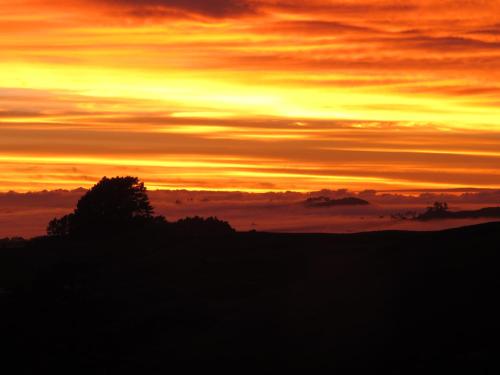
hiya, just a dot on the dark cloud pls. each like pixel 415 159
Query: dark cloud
pixel 18 113
pixel 488 30
pixel 318 27
pixel 450 43
pixel 229 8
pixel 337 7
pixel 209 8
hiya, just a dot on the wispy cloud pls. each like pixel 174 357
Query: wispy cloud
pixel 250 94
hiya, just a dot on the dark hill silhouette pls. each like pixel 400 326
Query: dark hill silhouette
pixel 443 213
pixel 328 202
pixel 382 302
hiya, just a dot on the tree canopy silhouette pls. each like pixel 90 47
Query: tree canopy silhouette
pixel 112 205
pixel 439 210
pixel 120 205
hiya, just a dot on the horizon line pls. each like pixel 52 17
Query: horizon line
pixel 275 191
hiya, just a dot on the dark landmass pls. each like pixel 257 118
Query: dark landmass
pixel 382 302
pixel 12 243
pixel 487 212
pixel 329 202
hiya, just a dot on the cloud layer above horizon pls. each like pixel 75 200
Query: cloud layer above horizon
pixel 27 214
pixel 250 95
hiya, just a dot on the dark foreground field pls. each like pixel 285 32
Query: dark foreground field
pixel 387 302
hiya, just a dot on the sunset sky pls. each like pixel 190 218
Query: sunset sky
pixel 250 95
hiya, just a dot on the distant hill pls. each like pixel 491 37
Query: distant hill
pixel 328 202
pixel 487 212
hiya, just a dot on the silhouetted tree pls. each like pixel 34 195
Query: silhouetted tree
pixel 439 210
pixel 61 226
pixel 120 206
pixel 438 207
pixel 113 205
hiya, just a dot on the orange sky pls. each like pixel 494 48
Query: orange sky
pixel 250 95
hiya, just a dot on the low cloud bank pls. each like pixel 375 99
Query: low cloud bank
pixel 27 214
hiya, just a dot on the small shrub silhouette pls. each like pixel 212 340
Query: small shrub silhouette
pixel 199 226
